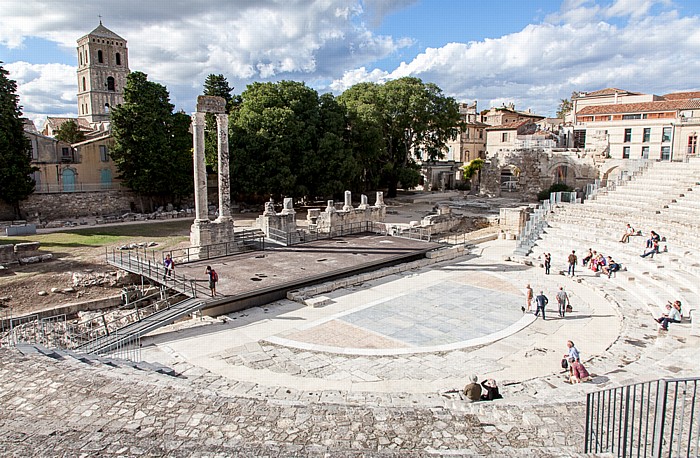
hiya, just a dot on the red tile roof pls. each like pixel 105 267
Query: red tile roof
pixel 609 91
pixel 511 125
pixel 682 96
pixel 643 107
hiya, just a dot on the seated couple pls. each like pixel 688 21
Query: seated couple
pixel 673 315
pixel 472 391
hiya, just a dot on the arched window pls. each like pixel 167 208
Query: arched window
pixel 106 107
pixel 86 58
pixel 110 84
pixel 99 56
pixel 80 58
pixel 84 84
pixel 118 59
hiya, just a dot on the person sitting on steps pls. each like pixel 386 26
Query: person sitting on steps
pixel 628 232
pixel 491 390
pixel 672 315
pixel 473 390
pixel 577 372
pixel 588 257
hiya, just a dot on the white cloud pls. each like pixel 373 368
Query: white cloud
pixel 244 39
pixel 360 75
pixel 45 89
pixel 544 63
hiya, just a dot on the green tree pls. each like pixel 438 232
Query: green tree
pixel 153 149
pixel 566 105
pixel 16 183
pixel 286 141
pixel 415 119
pixel 216 85
pixel 69 132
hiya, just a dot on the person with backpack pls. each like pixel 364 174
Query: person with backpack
pixel 213 279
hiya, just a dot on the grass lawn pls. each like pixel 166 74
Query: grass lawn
pixel 165 233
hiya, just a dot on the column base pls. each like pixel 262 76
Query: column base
pixel 200 233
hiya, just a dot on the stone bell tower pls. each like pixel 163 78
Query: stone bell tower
pixel 103 65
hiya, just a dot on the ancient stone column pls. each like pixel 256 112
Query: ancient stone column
pixel 363 202
pixel 200 169
pixel 288 206
pixel 380 200
pixel 331 207
pixel 223 158
pixel 348 201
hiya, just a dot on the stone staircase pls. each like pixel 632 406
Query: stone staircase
pixel 663 198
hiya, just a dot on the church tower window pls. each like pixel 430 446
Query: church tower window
pixel 86 58
pixel 110 84
pixel 118 59
pixel 99 56
pixel 84 85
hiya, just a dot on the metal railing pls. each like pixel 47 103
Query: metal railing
pixel 533 228
pixel 243 241
pixel 137 263
pixel 651 419
pixel 636 168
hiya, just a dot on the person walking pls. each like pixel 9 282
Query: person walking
pixel 542 302
pixel 169 266
pixel 529 294
pixel 547 262
pixel 213 279
pixel 572 263
pixel 563 301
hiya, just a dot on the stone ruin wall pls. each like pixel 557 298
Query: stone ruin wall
pixel 329 219
pixel 537 170
pixel 69 205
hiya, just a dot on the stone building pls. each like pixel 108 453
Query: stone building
pixel 618 124
pixel 471 141
pixel 506 114
pixel 103 65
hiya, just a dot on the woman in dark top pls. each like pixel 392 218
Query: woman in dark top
pixel 491 390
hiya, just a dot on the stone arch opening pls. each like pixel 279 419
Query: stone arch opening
pixel 510 177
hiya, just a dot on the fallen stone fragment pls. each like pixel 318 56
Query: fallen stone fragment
pixel 43 293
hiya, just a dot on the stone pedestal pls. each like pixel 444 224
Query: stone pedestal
pixel 200 233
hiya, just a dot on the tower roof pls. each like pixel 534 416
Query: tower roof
pixel 103 32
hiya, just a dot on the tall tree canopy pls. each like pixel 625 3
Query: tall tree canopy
pixel 69 132
pixel 16 183
pixel 216 85
pixel 153 147
pixel 413 118
pixel 286 141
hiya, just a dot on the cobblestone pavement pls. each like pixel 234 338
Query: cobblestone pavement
pixel 68 408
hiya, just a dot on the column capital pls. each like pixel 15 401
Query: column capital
pixel 198 119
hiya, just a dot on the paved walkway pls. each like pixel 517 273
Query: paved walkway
pixel 421 332
pixel 346 379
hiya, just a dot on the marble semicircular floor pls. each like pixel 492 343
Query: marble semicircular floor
pixel 437 311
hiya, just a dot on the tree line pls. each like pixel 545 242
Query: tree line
pixel 284 139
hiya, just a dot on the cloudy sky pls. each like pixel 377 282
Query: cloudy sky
pixel 530 52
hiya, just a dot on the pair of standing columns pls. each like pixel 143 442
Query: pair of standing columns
pixel 201 202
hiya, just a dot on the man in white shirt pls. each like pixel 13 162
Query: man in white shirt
pixel 672 315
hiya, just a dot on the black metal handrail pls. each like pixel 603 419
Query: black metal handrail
pixel 656 419
pixel 156 271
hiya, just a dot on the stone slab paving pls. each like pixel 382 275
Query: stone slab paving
pixel 250 387
pixel 277 265
pixel 67 408
pixel 464 317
